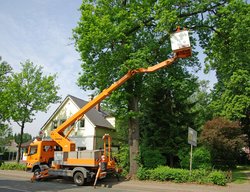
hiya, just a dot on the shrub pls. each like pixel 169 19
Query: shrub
pixel 161 173
pixel 142 173
pixel 164 173
pixel 151 158
pixel 122 158
pixel 217 177
pixel 12 166
pixel 201 158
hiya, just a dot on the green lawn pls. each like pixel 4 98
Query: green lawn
pixel 241 174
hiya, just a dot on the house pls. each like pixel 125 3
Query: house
pixel 11 150
pixel 88 131
pixel 24 149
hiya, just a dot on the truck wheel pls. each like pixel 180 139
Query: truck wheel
pixel 79 178
pixel 37 172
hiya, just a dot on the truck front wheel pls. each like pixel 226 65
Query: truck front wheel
pixel 79 178
pixel 37 172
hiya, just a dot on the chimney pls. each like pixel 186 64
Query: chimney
pixel 91 97
pixel 98 106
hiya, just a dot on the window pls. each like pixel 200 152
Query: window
pixel 54 124
pixel 61 121
pixel 47 148
pixel 33 150
pixel 81 148
pixel 82 124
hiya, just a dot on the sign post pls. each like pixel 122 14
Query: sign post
pixel 192 140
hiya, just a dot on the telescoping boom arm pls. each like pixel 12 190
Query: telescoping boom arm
pixel 58 135
pixel 180 45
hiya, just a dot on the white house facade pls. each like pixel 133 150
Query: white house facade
pixel 88 131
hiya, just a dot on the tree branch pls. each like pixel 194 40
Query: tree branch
pixel 202 10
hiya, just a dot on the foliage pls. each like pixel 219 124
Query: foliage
pixel 224 139
pixel 28 92
pixel 26 137
pixel 228 46
pixel 122 157
pixel 217 177
pixel 116 36
pixel 142 173
pixel 227 52
pixel 201 159
pixel 151 158
pixel 13 166
pixel 234 102
pixel 166 106
pixel 163 173
pixel 201 110
pixel 5 71
pixel 5 136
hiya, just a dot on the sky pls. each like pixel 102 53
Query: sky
pixel 41 31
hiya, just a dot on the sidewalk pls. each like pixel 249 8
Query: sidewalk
pixel 18 174
pixel 135 185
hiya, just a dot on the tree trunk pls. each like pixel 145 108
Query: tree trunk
pixel 171 160
pixel 20 143
pixel 133 135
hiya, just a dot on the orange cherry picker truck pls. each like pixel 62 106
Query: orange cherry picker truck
pixel 85 166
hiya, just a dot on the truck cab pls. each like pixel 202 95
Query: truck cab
pixel 41 153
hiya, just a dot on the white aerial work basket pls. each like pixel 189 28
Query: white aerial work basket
pixel 180 43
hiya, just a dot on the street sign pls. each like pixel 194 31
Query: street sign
pixel 192 140
pixel 192 137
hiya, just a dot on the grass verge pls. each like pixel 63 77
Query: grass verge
pixel 241 174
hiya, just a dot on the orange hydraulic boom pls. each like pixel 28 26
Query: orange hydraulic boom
pixel 67 145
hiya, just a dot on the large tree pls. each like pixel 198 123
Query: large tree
pixel 166 106
pixel 115 36
pixel 29 91
pixel 227 52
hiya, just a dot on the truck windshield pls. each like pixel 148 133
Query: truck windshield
pixel 33 150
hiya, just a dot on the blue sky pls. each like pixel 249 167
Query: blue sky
pixel 40 30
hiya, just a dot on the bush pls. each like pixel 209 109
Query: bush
pixel 199 176
pixel 161 173
pixel 122 158
pixel 151 158
pixel 142 173
pixel 217 177
pixel 164 173
pixel 201 158
pixel 12 166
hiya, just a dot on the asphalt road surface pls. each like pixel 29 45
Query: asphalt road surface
pixel 19 181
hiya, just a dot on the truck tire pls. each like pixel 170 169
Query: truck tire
pixel 37 172
pixel 79 179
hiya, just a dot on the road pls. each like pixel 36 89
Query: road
pixel 19 181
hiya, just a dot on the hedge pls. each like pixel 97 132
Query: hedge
pixel 164 173
pixel 12 166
